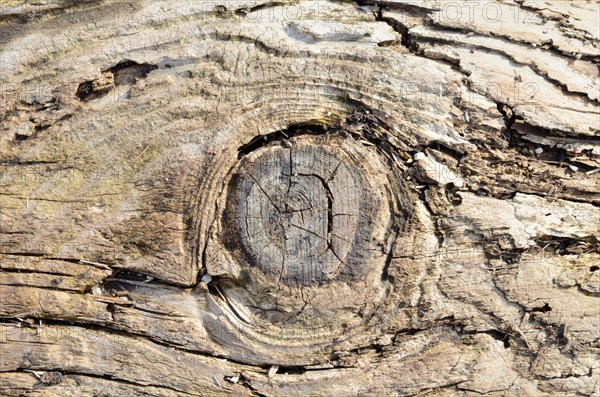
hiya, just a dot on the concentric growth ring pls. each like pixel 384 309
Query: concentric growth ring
pixel 296 210
pixel 304 235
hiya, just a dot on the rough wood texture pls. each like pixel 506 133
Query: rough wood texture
pixel 393 198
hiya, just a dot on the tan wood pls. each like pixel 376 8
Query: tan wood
pixel 394 198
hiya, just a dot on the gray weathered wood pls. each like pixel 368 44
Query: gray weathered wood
pixel 392 198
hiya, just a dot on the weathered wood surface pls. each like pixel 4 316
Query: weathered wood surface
pixel 391 198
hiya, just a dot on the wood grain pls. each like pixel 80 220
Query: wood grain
pixel 310 198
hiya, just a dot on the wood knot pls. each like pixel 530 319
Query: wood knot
pixel 301 212
pixel 295 211
pixel 304 236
